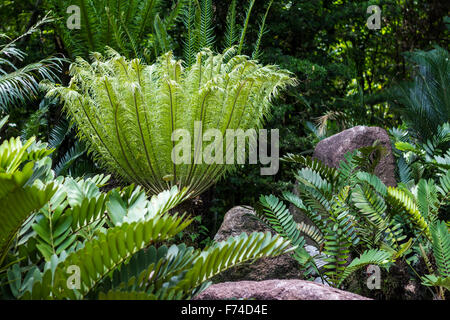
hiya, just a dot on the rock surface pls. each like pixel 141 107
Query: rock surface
pixel 282 267
pixel 332 150
pixel 275 290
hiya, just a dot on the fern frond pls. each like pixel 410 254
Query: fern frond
pixel 76 205
pixel 370 205
pixel 58 133
pixel 206 29
pixel 404 171
pixel 234 251
pixel 231 29
pixel 314 164
pixel 373 181
pixel 126 112
pixel 101 256
pixel 316 192
pixel 376 257
pixel 68 159
pixel 441 248
pixel 427 199
pixel 279 217
pixel 310 213
pixel 444 187
pixel 245 26
pixel 410 210
pixel 262 30
pixel 311 232
pixel 20 194
pixel 431 280
pixel 191 43
pixel 23 84
pixel 424 102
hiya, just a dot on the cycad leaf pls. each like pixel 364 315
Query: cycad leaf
pixel 441 248
pixel 376 257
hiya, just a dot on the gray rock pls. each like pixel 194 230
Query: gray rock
pixel 275 290
pixel 332 150
pixel 284 266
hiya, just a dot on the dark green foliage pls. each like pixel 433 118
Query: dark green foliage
pixel 18 85
pixel 200 31
pixel 134 28
pixel 425 102
pixel 344 71
pixel 21 165
pixel 115 253
pixel 352 211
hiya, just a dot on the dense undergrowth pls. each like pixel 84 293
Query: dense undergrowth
pixel 94 206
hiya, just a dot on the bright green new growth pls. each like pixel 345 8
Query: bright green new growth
pixel 127 111
pixel 19 194
pixel 117 240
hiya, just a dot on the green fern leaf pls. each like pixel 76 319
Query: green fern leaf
pixel 376 257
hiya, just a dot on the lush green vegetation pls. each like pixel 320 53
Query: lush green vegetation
pixel 91 99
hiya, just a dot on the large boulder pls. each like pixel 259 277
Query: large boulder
pixel 332 150
pixel 284 266
pixel 275 290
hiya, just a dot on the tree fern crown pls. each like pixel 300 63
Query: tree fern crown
pixel 127 111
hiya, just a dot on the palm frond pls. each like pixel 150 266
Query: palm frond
pixel 23 84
